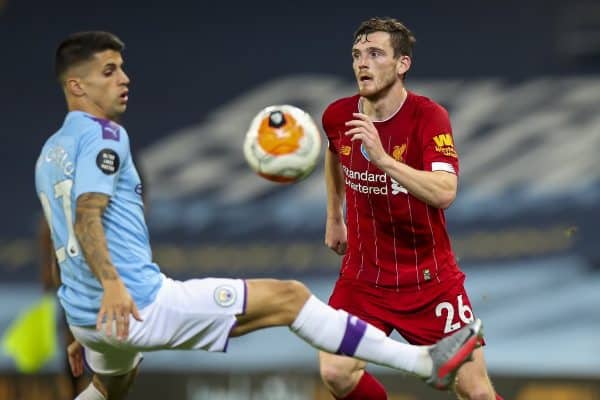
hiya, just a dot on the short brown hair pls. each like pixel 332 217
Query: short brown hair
pixel 402 39
pixel 80 47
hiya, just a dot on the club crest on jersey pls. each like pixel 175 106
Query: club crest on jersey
pixel 398 152
pixel 364 152
pixel 225 295
pixel 426 275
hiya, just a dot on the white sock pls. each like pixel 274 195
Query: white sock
pixel 336 331
pixel 90 393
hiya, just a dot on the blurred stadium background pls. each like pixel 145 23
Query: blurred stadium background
pixel 521 80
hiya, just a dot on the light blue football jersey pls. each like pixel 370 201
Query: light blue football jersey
pixel 90 154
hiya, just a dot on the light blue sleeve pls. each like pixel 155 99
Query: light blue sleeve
pixel 100 160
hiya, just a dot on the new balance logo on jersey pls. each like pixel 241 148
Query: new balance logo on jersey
pixel 345 150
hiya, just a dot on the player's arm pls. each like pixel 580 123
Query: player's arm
pixel 436 188
pixel 117 303
pixel 335 228
pixel 48 266
pixel 334 181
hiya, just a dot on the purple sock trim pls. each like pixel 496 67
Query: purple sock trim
pixel 355 330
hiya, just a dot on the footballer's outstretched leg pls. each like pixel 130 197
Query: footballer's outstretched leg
pixel 451 352
pixel 279 303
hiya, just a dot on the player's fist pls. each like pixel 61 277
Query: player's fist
pixel 362 128
pixel 336 235
pixel 75 356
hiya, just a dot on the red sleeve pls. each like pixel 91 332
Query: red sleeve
pixel 439 152
pixel 328 127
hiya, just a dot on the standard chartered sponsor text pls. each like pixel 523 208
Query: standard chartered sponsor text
pixel 365 176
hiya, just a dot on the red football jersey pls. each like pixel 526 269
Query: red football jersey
pixel 394 239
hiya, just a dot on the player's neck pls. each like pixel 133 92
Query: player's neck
pixel 92 109
pixel 386 106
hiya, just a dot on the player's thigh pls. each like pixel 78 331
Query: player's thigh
pixel 114 368
pixel 441 311
pixel 472 379
pixel 270 302
pixel 197 314
pixel 360 300
pixel 101 356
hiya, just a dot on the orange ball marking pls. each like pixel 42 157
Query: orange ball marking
pixel 282 140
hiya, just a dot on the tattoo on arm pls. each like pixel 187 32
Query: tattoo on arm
pixel 91 237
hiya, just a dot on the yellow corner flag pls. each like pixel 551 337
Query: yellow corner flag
pixel 31 338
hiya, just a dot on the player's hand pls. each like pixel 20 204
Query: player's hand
pixel 363 129
pixel 117 305
pixel 336 235
pixel 75 356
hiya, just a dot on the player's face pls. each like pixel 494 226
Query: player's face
pixel 375 68
pixel 105 84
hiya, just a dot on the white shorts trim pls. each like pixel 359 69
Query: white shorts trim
pixel 197 314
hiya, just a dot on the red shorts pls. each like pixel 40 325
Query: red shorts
pixel 421 317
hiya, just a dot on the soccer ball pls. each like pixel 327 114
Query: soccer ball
pixel 282 144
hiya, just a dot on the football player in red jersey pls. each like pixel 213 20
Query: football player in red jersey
pixel 393 162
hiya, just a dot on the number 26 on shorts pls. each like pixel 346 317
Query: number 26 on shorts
pixel 464 314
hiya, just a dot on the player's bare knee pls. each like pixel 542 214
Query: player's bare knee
pixel 295 294
pixel 340 378
pixel 339 384
pixel 339 373
pixel 335 376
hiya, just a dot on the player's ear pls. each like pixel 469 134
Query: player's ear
pixel 403 65
pixel 74 86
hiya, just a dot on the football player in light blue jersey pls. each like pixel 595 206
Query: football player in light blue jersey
pixel 117 301
pixel 91 155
